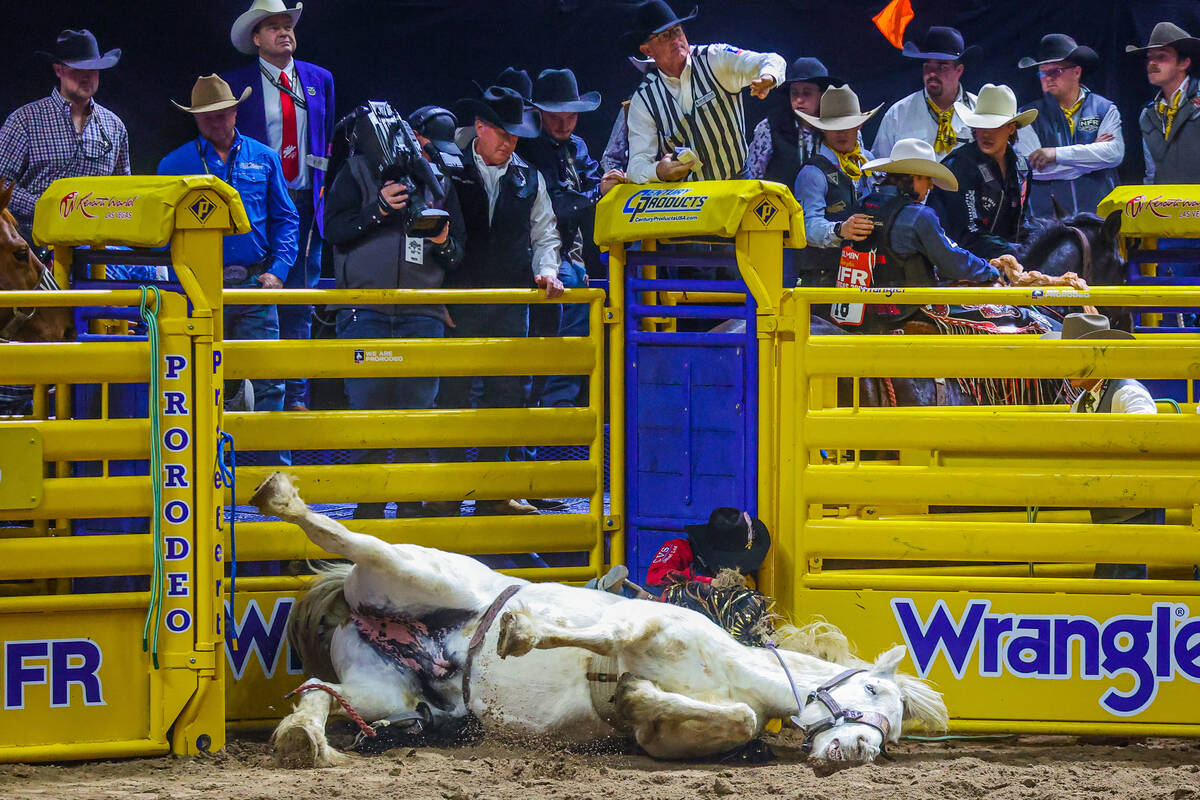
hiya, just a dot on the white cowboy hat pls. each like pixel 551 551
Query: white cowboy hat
pixel 840 110
pixel 995 108
pixel 242 33
pixel 212 93
pixel 915 157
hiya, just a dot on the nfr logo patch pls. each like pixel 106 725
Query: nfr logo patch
pixel 202 209
pixel 765 211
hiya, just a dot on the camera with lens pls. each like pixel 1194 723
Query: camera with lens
pixel 377 132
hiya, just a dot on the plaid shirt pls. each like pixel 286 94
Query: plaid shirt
pixel 38 145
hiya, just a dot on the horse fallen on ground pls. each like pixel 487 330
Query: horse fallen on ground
pixel 406 634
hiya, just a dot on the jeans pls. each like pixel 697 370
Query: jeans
pixel 257 322
pixel 295 322
pixel 566 390
pixel 499 391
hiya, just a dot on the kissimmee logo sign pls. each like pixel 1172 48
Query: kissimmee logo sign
pixel 665 205
pixel 1151 649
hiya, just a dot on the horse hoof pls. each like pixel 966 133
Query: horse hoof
pixel 295 748
pixel 516 635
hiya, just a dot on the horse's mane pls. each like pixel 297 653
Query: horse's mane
pixel 1053 232
pixel 923 704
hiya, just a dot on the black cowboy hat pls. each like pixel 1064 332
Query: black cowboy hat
pixel 650 17
pixel 1168 34
pixel 941 44
pixel 78 50
pixel 730 539
pixel 502 107
pixel 809 70
pixel 512 78
pixel 1060 47
pixel 436 124
pixel 556 91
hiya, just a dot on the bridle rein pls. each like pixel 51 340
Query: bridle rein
pixel 21 316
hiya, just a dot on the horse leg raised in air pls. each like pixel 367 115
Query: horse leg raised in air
pixel 404 636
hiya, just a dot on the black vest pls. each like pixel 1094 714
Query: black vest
pixel 498 253
pixel 840 200
pixel 786 157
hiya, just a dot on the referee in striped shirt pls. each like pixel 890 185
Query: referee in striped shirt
pixel 692 100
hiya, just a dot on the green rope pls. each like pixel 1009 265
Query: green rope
pixel 150 317
pixel 1174 403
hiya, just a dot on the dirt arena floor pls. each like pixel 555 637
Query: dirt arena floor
pixel 1038 768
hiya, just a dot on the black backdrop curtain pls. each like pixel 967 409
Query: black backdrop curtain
pixel 415 52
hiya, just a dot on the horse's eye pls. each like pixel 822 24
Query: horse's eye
pixel 870 689
pixel 21 254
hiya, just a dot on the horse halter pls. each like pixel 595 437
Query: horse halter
pixel 839 716
pixel 21 316
pixel 1085 251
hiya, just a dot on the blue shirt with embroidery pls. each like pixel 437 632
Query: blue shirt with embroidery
pixel 255 171
pixel 917 229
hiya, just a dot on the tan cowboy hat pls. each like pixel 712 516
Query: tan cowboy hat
pixel 211 93
pixel 242 33
pixel 915 157
pixel 840 110
pixel 1086 326
pixel 1167 34
pixel 995 108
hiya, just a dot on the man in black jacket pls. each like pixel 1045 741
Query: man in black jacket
pixel 989 211
pixel 371 250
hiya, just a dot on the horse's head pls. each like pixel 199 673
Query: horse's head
pixel 21 270
pixel 1084 244
pixel 874 704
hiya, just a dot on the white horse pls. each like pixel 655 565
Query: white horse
pixel 395 631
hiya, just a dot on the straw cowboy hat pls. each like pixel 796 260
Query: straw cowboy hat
pixel 211 93
pixel 78 50
pixel 651 17
pixel 995 108
pixel 915 157
pixel 839 110
pixel 1086 326
pixel 1060 47
pixel 499 106
pixel 1167 34
pixel 242 32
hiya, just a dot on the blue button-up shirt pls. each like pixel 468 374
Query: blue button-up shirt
pixel 255 172
pixel 917 229
pixel 810 191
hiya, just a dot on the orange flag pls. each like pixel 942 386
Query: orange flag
pixel 893 19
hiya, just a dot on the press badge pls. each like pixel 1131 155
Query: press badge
pixel 414 249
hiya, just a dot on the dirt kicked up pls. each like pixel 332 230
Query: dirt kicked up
pixel 1038 768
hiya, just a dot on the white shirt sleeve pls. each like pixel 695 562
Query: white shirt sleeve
pixel 888 133
pixel 1149 162
pixel 1073 160
pixel 643 143
pixel 1133 399
pixel 736 68
pixel 543 232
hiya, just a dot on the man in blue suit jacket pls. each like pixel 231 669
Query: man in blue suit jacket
pixel 291 110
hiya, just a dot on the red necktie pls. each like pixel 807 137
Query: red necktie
pixel 289 152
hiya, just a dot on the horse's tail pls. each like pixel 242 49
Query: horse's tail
pixel 315 617
pixel 819 638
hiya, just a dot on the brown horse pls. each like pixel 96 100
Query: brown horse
pixel 21 270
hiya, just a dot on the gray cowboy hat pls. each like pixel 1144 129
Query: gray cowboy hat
pixel 212 93
pixel 556 91
pixel 502 107
pixel 1168 34
pixel 941 44
pixel 1060 47
pixel 78 50
pixel 915 157
pixel 651 17
pixel 1086 326
pixel 840 110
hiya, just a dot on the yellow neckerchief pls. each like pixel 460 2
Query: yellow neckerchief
pixel 946 138
pixel 1168 111
pixel 851 163
pixel 1070 113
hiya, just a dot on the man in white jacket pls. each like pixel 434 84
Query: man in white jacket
pixel 686 120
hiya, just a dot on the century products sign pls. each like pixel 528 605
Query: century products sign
pixel 1131 655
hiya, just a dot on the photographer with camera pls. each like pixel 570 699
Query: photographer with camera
pixel 512 242
pixel 380 242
